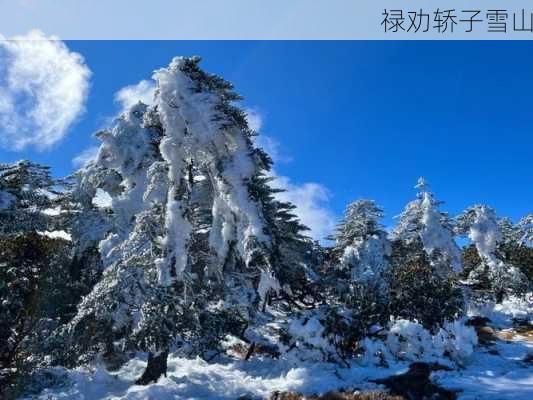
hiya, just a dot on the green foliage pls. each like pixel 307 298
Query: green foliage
pixel 35 295
pixel 520 256
pixel 417 292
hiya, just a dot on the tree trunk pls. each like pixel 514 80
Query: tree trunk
pixel 500 295
pixel 157 366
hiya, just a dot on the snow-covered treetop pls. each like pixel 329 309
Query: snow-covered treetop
pixel 27 181
pixel 362 243
pixel 148 159
pixel 203 127
pixel 423 220
pixel 421 184
pixel 360 219
pixel 481 225
pixel 27 192
pixel 525 226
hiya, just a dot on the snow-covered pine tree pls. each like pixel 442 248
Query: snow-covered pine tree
pixel 128 168
pixel 358 283
pixel 425 259
pixel 27 193
pixel 423 224
pixel 482 226
pixel 520 233
pixel 194 221
pixel 361 243
pixel 516 247
pixel 525 227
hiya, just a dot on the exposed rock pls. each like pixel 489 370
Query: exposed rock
pixel 486 335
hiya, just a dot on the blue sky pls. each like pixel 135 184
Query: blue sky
pixel 362 119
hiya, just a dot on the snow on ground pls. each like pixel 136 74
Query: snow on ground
pixel 487 376
pixel 197 379
pixel 493 376
pixel 495 372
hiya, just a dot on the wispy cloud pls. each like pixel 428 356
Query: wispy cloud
pixel 43 90
pixel 254 119
pixel 132 94
pixel 273 147
pixel 85 157
pixel 311 199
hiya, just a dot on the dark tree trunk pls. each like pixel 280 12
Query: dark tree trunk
pixel 251 350
pixel 157 366
pixel 500 294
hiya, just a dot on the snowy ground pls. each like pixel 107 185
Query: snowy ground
pixel 495 372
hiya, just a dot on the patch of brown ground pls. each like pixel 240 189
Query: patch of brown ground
pixel 523 333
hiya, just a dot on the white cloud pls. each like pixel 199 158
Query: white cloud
pixel 273 148
pixel 311 201
pixel 131 95
pixel 43 88
pixel 255 119
pixel 270 145
pixel 86 156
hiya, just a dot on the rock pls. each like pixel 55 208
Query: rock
pixel 486 335
pixel 477 321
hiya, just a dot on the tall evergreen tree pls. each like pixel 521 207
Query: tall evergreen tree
pixel 194 222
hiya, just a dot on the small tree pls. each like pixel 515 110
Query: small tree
pixel 484 229
pixel 356 286
pixel 425 259
pixel 361 244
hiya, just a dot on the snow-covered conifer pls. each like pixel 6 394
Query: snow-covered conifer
pixel 27 194
pixel 362 242
pixel 355 286
pixel 193 220
pixel 525 227
pixel 423 221
pixel 483 228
